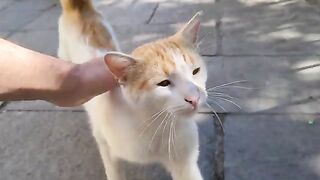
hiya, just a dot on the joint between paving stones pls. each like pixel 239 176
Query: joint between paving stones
pixel 152 14
pixel 219 37
pixel 218 171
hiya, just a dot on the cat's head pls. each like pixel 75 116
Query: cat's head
pixel 167 73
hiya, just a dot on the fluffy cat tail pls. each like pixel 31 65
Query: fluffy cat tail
pixel 99 33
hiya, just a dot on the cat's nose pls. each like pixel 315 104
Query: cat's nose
pixel 192 100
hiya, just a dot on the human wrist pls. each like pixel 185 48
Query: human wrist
pixel 65 85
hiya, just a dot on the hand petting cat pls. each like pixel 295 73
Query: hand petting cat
pixel 28 75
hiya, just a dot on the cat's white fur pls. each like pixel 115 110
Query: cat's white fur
pixel 116 123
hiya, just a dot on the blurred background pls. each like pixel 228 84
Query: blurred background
pixel 273 45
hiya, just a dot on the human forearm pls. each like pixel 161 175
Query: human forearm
pixel 28 75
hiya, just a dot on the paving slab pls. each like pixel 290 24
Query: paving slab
pixel 132 36
pixel 172 12
pixel 44 41
pixel 48 20
pixel 20 13
pixel 269 27
pixel 47 146
pixel 276 84
pixel 32 5
pixel 126 12
pixel 277 147
pixel 38 106
pixel 59 145
pixel 20 18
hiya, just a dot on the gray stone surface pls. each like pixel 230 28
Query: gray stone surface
pixel 47 146
pixel 20 13
pixel 48 20
pixel 44 41
pixel 277 147
pixel 269 27
pixel 172 12
pixel 37 106
pixel 59 145
pixel 126 12
pixel 32 5
pixel 5 3
pixel 132 36
pixel 12 19
pixel 278 84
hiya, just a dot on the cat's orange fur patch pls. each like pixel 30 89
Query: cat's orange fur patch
pixel 156 62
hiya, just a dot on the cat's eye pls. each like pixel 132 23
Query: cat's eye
pixel 164 83
pixel 196 70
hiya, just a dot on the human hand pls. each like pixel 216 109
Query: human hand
pixel 83 82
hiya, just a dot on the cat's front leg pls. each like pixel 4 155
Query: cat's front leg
pixel 183 170
pixel 111 164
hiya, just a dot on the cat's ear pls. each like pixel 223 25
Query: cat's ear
pixel 189 33
pixel 118 63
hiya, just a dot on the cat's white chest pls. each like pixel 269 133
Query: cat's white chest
pixel 141 139
pixel 152 141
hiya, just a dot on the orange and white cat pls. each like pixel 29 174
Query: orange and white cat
pixel 149 118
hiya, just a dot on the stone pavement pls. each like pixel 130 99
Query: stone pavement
pixel 271 43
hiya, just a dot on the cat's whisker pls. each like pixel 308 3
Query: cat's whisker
pixel 237 87
pixel 169 142
pixel 228 100
pixel 174 137
pixel 155 114
pixel 151 118
pixel 218 104
pixel 170 137
pixel 178 109
pixel 175 108
pixel 160 125
pixel 164 128
pixel 152 121
pixel 226 84
pixel 146 126
pixel 221 94
pixel 216 114
pixel 172 133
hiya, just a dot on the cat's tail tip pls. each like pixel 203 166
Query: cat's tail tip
pixel 81 6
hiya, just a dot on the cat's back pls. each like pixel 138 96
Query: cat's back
pixel 83 33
